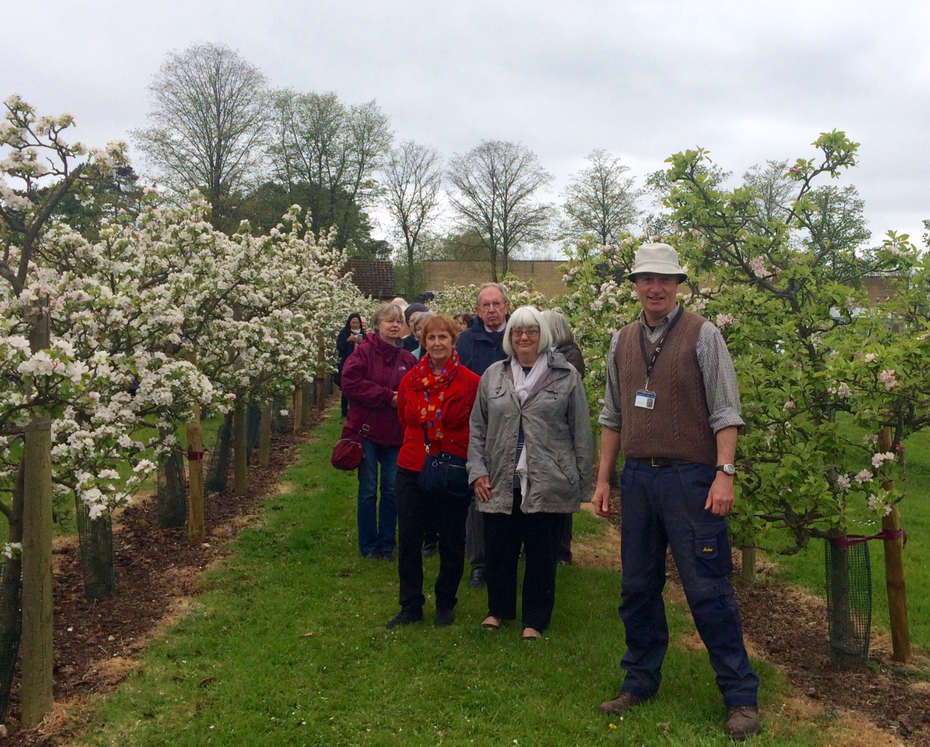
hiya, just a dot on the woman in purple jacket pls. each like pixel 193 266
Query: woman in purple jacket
pixel 370 380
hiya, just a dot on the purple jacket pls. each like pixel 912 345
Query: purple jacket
pixel 370 378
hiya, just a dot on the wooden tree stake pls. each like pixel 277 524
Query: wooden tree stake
pixel 894 573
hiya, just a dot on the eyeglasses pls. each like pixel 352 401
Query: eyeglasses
pixel 531 334
pixel 492 305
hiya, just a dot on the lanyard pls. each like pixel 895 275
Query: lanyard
pixel 651 364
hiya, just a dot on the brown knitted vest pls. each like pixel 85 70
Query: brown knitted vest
pixel 677 427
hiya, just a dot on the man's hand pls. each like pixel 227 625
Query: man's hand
pixel 720 497
pixel 483 488
pixel 601 499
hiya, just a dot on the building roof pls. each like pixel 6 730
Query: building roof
pixel 374 277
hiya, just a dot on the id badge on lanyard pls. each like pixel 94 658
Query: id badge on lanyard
pixel 645 397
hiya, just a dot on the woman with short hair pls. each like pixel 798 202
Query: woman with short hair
pixel 529 459
pixel 434 403
pixel 370 380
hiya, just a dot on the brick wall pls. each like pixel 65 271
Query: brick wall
pixel 546 275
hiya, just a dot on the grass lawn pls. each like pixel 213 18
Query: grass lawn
pixel 807 567
pixel 288 647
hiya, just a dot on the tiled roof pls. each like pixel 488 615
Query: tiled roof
pixel 374 277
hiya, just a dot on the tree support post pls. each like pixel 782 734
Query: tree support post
pixel 894 572
pixel 196 527
pixel 37 655
pixel 298 405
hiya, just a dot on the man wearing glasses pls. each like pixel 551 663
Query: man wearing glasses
pixel 478 347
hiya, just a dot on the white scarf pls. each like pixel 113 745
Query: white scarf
pixel 523 384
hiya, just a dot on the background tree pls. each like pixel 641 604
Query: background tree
pixel 496 186
pixel 600 200
pixel 327 153
pixel 208 121
pixel 412 184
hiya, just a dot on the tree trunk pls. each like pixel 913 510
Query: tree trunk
pixel 894 573
pixel 196 525
pixel 95 537
pixel 11 619
pixel 253 424
pixel 218 469
pixel 264 437
pixel 37 652
pixel 279 422
pixel 240 450
pixel 321 368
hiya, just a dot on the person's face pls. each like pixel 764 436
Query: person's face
pixel 461 324
pixel 492 308
pixel 657 294
pixel 389 330
pixel 418 332
pixel 355 324
pixel 525 341
pixel 439 346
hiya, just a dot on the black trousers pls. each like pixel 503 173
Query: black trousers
pixel 503 536
pixel 417 512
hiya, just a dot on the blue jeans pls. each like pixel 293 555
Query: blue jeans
pixel 664 507
pixel 377 524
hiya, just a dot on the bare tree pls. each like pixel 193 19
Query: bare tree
pixel 208 121
pixel 328 153
pixel 496 186
pixel 412 183
pixel 600 199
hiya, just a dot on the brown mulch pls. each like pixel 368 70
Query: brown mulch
pixel 789 629
pixel 157 573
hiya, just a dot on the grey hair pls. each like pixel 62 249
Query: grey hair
pixel 422 316
pixel 528 316
pixel 492 285
pixel 558 327
pixel 386 312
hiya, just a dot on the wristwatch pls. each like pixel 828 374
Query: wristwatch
pixel 727 469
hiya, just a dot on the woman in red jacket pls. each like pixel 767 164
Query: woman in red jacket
pixel 433 403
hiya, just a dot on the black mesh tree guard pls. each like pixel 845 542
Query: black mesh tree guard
pixel 172 492
pixel 11 627
pixel 95 537
pixel 849 601
pixel 328 387
pixel 253 427
pixel 279 422
pixel 218 466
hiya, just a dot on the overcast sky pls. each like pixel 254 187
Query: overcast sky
pixel 749 81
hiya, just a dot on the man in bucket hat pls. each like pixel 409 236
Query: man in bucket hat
pixel 672 408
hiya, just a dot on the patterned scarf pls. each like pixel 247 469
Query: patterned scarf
pixel 433 387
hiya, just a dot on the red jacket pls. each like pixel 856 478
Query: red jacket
pixel 370 377
pixel 456 410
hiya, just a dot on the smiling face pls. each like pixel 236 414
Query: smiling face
pixel 525 341
pixel 657 294
pixel 439 345
pixel 491 307
pixel 355 324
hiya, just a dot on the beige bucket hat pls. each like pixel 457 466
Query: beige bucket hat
pixel 658 259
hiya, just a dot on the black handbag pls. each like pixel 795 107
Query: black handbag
pixel 444 473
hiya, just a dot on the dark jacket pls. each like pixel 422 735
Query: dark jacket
pixel 572 354
pixel 479 348
pixel 370 377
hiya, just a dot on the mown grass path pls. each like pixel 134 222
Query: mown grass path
pixel 287 646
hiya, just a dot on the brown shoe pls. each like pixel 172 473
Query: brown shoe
pixel 621 704
pixel 742 722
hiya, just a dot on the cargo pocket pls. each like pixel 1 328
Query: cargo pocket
pixel 712 549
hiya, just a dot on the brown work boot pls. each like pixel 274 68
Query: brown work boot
pixel 742 722
pixel 621 704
